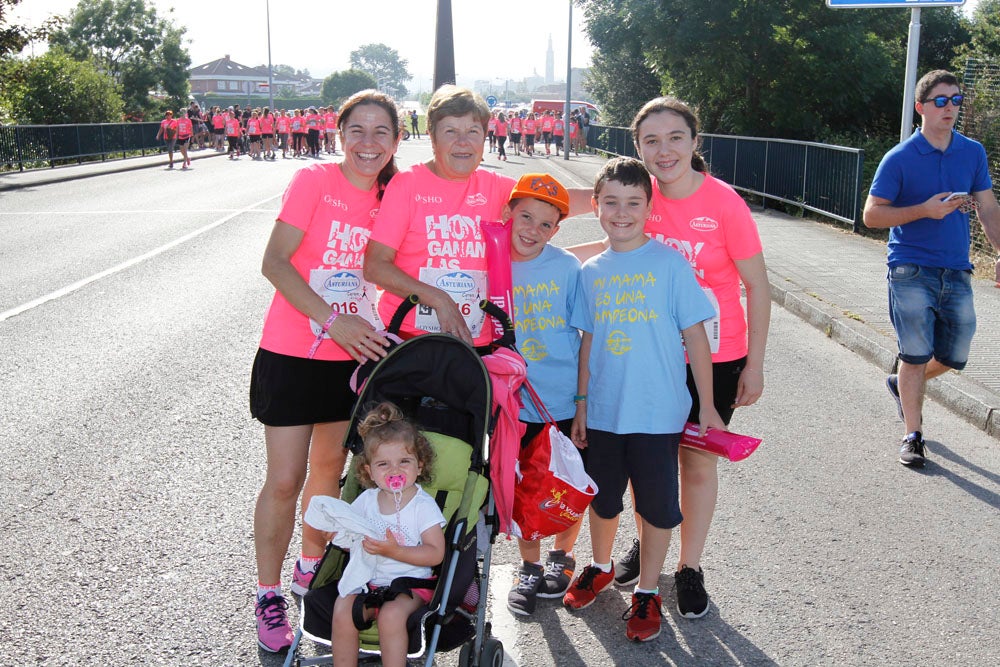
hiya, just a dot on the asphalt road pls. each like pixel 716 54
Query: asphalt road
pixel 130 309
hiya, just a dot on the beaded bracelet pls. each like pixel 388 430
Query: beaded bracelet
pixel 319 338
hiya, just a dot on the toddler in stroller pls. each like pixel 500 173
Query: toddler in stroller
pixel 394 459
pixel 439 382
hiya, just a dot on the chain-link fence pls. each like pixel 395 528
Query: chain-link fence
pixel 980 120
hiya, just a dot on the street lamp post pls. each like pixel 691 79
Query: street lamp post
pixel 569 83
pixel 270 77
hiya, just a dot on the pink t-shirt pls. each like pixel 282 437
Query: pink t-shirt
pixel 330 119
pixel 711 228
pixel 282 123
pixel 336 219
pixel 433 222
pixel 267 124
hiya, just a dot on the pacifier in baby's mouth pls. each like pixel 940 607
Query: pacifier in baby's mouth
pixel 396 482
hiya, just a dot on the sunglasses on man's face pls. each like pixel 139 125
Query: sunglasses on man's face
pixel 942 100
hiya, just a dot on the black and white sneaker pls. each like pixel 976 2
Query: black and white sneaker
pixel 523 596
pixel 628 567
pixel 559 570
pixel 692 599
pixel 912 452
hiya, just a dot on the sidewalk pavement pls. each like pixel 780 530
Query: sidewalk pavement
pixel 835 280
pixel 828 276
pixel 14 180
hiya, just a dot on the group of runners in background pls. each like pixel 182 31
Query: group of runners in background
pixel 258 133
pixel 527 128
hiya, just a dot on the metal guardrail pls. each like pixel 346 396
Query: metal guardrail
pixel 822 178
pixel 25 147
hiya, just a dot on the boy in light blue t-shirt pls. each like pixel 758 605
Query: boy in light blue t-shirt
pixel 545 282
pixel 636 302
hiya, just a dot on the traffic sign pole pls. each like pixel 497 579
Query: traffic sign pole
pixel 912 45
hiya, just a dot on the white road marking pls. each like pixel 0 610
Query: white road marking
pixel 504 624
pixel 69 289
pixel 172 211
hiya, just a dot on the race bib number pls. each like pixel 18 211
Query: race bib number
pixel 347 292
pixel 466 288
pixel 713 326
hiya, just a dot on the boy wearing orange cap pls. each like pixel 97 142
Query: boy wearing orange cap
pixel 545 283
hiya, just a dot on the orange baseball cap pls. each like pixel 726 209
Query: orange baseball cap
pixel 544 187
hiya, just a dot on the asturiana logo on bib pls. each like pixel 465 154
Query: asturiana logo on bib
pixel 704 224
pixel 428 199
pixel 478 199
pixel 456 282
pixel 342 282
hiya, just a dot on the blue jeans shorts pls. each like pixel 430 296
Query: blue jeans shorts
pixel 933 314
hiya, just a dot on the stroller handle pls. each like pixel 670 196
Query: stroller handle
pixel 487 306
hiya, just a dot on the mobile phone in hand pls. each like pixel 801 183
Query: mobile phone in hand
pixel 955 195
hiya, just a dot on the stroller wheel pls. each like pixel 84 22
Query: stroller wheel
pixel 492 653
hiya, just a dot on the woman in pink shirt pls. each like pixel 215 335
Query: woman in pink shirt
pixel 267 133
pixel 321 323
pixel 282 125
pixel 427 239
pixel 185 130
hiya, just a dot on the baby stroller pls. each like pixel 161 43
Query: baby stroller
pixel 440 382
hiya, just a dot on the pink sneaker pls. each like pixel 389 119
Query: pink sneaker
pixel 301 580
pixel 274 634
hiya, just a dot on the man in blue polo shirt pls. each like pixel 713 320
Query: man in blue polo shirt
pixel 924 190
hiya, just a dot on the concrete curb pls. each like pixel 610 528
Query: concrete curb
pixel 36 177
pixel 974 403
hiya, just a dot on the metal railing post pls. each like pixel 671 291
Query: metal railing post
pixel 859 171
pixel 767 158
pixel 19 149
pixel 805 174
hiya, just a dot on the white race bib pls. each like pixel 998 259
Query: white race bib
pixel 713 326
pixel 347 292
pixel 466 288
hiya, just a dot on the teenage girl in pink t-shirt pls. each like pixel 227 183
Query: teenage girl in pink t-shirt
pixel 318 327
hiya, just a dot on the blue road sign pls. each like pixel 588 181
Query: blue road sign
pixel 864 4
pixel 492 101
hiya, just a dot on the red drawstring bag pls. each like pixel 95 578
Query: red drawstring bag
pixel 553 489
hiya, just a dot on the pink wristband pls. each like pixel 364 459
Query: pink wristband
pixel 319 338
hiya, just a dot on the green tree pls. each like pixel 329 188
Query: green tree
pixel 984 32
pixel 13 38
pixel 340 85
pixel 620 78
pixel 385 65
pixel 56 88
pixel 131 43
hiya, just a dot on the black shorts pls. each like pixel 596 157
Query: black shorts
pixel 529 140
pixel 547 137
pixel 293 391
pixel 649 461
pixel 558 139
pixel 725 384
pixel 267 136
pixel 218 130
pixel 254 137
pixel 515 137
pixel 182 143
